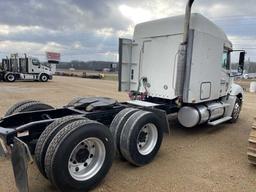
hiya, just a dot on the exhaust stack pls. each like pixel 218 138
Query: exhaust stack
pixel 182 53
pixel 187 21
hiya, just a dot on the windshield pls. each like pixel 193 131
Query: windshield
pixel 35 62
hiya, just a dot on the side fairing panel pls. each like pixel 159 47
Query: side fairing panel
pixel 125 56
pixel 129 57
pixel 205 74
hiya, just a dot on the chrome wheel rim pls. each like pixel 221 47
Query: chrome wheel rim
pixel 86 159
pixel 147 139
pixel 236 111
pixel 10 77
pixel 44 78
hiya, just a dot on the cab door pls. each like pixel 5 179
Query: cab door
pixel 34 66
pixel 225 80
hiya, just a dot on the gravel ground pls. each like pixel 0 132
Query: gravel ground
pixel 200 159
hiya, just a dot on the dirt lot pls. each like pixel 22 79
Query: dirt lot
pixel 202 159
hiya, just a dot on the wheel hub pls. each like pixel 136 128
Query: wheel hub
pixel 86 159
pixel 147 139
pixel 82 155
pixel 142 136
pixel 10 77
pixel 44 78
pixel 236 110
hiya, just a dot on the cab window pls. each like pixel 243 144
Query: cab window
pixel 225 60
pixel 35 62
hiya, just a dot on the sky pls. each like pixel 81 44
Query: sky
pixel 89 29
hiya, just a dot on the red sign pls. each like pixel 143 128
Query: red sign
pixel 52 56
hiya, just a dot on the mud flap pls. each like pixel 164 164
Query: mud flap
pixel 3 149
pixel 20 156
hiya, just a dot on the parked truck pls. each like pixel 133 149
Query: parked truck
pixel 26 68
pixel 177 65
pixel 249 75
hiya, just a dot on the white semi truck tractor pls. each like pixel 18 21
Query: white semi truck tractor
pixel 175 65
pixel 191 68
pixel 26 68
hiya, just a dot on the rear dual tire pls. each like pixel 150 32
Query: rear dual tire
pixel 14 108
pixel 117 125
pixel 138 135
pixel 26 106
pixel 46 137
pixel 141 138
pixel 79 155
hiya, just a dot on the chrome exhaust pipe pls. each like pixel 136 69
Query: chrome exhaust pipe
pixel 187 21
pixel 182 53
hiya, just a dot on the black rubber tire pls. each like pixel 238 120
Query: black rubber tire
pixel 60 148
pixel 47 136
pixel 32 106
pixel 117 125
pixel 234 117
pixel 44 78
pixel 130 133
pixel 7 77
pixel 13 108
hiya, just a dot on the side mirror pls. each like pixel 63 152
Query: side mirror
pixel 241 62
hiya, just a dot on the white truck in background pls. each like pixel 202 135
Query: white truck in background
pixel 28 68
pixel 249 75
